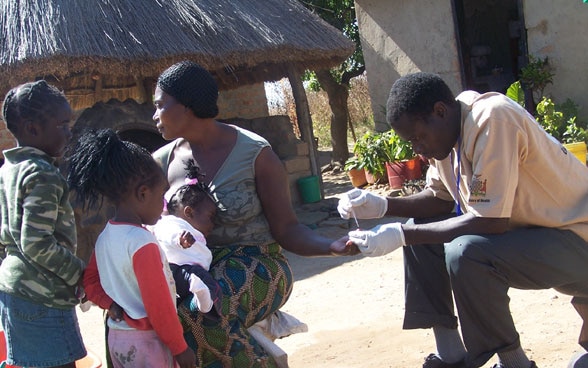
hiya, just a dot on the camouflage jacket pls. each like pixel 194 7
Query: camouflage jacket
pixel 38 230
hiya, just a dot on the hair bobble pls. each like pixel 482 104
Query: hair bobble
pixel 192 181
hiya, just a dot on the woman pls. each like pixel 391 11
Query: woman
pixel 255 218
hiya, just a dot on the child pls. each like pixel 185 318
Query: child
pixel 40 274
pixel 182 236
pixel 127 266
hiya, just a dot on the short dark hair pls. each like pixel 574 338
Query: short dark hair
pixel 415 94
pixel 30 101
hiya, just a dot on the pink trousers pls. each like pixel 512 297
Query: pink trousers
pixel 138 349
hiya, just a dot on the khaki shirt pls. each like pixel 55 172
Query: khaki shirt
pixel 511 168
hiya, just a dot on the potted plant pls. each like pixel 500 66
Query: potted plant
pixel 355 171
pixel 370 151
pixel 558 120
pixel 401 162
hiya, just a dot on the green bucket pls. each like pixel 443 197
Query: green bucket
pixel 309 189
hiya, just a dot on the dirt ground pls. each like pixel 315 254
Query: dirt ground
pixel 353 307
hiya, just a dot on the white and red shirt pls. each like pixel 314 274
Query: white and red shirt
pixel 128 267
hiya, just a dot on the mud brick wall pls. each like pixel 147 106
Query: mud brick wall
pixel 247 102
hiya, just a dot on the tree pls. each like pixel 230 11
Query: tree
pixel 335 82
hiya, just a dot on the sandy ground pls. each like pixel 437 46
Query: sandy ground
pixel 353 307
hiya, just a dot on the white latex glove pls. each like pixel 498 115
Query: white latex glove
pixel 379 240
pixel 365 204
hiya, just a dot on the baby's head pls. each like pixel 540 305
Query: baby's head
pixel 194 201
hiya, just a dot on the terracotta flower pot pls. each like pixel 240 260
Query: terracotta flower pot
pixel 373 178
pixel 396 174
pixel 413 169
pixel 357 177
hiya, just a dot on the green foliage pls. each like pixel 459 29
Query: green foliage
pixel 397 149
pixel 353 162
pixel 370 151
pixel 373 150
pixel 558 120
pixel 536 75
pixel 341 15
pixel 516 93
pixel 561 125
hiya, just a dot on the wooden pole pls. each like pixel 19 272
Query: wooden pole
pixel 304 120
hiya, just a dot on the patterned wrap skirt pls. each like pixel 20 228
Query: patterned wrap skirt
pixel 255 281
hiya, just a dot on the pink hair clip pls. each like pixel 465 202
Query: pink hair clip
pixel 192 181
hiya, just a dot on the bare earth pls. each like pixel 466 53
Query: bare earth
pixel 353 307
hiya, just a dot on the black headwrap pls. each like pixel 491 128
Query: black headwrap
pixel 193 87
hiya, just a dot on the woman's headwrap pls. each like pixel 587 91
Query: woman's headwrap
pixel 192 86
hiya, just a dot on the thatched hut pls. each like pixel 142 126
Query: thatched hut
pixel 98 49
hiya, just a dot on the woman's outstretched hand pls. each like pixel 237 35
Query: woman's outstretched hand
pixel 343 247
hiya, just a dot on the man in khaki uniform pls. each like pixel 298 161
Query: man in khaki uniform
pixel 505 205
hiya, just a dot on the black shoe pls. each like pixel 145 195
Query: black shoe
pixel 498 365
pixel 434 361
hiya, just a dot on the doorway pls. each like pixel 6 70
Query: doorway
pixel 492 42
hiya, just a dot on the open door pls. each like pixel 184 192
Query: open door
pixel 492 42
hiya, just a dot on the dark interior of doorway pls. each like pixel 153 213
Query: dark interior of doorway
pixel 151 141
pixel 492 41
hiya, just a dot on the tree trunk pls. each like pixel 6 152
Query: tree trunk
pixel 338 95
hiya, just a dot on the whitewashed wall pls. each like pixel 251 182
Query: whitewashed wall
pixel 559 30
pixel 406 36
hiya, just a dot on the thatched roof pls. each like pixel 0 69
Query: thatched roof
pixel 120 46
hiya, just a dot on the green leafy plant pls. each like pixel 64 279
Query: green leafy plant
pixel 516 93
pixel 558 120
pixel 373 150
pixel 353 163
pixel 396 148
pixel 536 75
pixel 561 125
pixel 370 151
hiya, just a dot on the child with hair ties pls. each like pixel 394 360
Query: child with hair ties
pixel 182 236
pixel 40 273
pixel 127 267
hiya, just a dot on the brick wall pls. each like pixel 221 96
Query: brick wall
pixel 245 102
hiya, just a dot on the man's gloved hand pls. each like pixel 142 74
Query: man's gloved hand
pixel 365 204
pixel 379 240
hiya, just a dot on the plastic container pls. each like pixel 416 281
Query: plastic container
pixel 578 149
pixel 309 189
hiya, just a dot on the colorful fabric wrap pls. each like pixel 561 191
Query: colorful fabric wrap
pixel 256 281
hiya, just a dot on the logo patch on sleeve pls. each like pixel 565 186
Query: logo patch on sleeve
pixel 478 186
